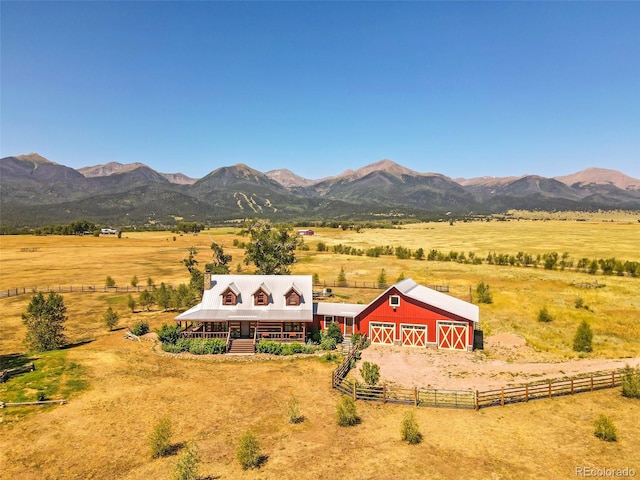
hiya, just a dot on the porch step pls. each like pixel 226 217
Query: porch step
pixel 242 346
pixel 345 346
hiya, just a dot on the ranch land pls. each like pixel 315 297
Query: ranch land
pixel 118 389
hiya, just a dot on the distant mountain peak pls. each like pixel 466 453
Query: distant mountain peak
pixel 601 176
pixel 34 158
pixel 287 178
pixel 385 165
pixel 109 169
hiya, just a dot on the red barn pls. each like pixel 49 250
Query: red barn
pixel 406 314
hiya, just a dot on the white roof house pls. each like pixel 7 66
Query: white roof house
pixel 276 307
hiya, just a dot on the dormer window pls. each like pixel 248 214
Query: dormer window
pixel 229 299
pixel 394 301
pixel 293 297
pixel 261 298
pixel 231 295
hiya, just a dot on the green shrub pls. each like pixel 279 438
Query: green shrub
pixel 315 334
pixel 356 340
pixel 334 332
pixel 370 373
pixel 269 346
pixel 183 344
pixel 483 293
pixel 605 429
pixel 209 346
pixel 409 429
pixel 293 411
pixel 140 328
pixel 159 440
pixel 188 461
pixel 110 282
pixel 346 412
pixel 169 333
pixel 631 382
pixel 328 343
pixel 582 341
pixel 277 348
pixel 170 348
pixel 544 315
pixel 248 451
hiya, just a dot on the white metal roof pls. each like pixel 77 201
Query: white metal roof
pixel 212 309
pixel 339 309
pixel 437 299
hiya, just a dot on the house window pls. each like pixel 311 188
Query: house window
pixel 261 298
pixel 394 300
pixel 229 299
pixel 328 320
pixel 293 299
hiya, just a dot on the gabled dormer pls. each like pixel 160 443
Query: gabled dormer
pixel 261 297
pixel 293 296
pixel 231 296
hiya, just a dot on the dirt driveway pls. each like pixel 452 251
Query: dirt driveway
pixel 505 361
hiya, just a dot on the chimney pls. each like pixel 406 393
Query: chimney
pixel 207 280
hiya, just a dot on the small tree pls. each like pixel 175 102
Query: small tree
pixel 134 281
pixel 631 382
pixel 346 412
pixel 248 451
pixel 110 318
pixel 221 260
pixel 333 331
pixel 159 440
pixel 110 282
pixel 131 303
pixel 342 278
pixel 293 411
pixel 315 279
pixel 409 430
pixel 382 279
pixel 44 320
pixel 370 373
pixel 146 299
pixel 544 315
pixel 188 461
pixel 400 277
pixel 582 341
pixel 605 429
pixel 483 293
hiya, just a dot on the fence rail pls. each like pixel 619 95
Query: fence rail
pixel 13 292
pixel 548 389
pixel 374 285
pixel 7 374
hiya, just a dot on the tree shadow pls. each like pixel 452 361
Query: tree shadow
pixel 15 360
pixel 173 449
pixel 79 343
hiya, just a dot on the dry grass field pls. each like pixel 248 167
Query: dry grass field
pixel 118 389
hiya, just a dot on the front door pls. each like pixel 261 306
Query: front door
pixel 348 325
pixel 244 329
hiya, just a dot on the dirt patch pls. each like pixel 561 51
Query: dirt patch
pixel 506 360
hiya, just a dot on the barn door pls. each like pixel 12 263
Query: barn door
pixel 452 335
pixel 382 333
pixel 414 335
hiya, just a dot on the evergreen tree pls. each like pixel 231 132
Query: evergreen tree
pixel 582 342
pixel 110 318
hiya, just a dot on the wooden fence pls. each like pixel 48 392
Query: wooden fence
pixel 375 285
pixel 12 292
pixel 392 394
pixel 548 389
pixel 7 374
pixel 467 398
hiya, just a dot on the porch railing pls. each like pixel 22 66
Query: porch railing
pixel 202 334
pixel 281 336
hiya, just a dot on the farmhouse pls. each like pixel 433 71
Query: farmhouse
pixel 246 308
pixel 305 232
pixel 243 309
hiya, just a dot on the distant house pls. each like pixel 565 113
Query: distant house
pixel 108 231
pixel 307 231
pixel 246 308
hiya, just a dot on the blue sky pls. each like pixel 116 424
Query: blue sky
pixel 463 89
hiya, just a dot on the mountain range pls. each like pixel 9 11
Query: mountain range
pixel 35 191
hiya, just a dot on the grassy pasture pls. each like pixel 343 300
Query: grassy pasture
pixel 119 389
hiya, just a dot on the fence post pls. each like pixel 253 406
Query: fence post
pixel 477 400
pixel 415 396
pixel 355 395
pixel 526 393
pixel 592 382
pixel 502 396
pixel 613 379
pixel 384 393
pixel 571 386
